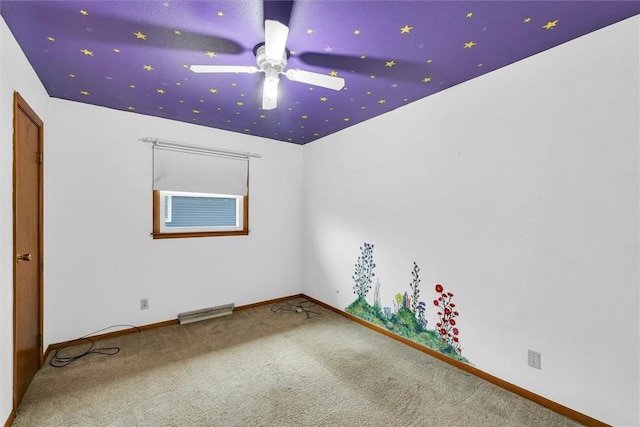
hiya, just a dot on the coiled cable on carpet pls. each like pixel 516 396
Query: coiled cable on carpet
pixel 303 306
pixel 60 361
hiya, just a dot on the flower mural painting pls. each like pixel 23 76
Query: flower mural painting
pixel 415 283
pixel 447 321
pixel 408 318
pixel 364 271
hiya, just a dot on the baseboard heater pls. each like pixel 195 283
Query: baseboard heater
pixel 205 313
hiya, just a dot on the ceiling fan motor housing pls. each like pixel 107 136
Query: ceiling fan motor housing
pixel 268 65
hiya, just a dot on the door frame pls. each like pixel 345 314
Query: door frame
pixel 19 104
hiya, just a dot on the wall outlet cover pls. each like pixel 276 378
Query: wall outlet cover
pixel 534 359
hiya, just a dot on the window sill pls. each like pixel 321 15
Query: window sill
pixel 199 234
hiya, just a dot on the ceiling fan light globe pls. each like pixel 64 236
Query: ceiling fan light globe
pixel 270 92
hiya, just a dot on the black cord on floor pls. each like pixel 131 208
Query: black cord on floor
pixel 59 361
pixel 303 306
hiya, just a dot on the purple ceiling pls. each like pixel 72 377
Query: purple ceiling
pixel 134 55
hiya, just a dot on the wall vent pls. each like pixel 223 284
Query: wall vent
pixel 205 313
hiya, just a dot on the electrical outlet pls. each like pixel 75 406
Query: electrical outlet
pixel 534 359
pixel 144 303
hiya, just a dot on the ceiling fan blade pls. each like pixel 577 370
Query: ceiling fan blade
pixel 222 69
pixel 316 79
pixel 275 40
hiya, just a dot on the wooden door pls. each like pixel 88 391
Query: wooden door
pixel 27 238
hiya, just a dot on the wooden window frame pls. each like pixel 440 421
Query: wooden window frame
pixel 157 234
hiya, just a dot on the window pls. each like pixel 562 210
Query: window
pixel 197 194
pixel 188 212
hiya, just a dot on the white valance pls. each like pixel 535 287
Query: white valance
pixel 198 170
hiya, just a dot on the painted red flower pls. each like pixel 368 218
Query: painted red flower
pixel 438 324
pixel 455 331
pixel 452 322
pixel 455 313
pixel 439 288
pixel 435 302
pixel 455 339
pixel 447 311
pixel 452 305
pixel 443 331
pixel 450 294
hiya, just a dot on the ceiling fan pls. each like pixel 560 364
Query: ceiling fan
pixel 271 57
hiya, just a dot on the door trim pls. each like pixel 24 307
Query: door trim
pixel 19 104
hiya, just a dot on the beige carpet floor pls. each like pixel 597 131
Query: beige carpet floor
pixel 257 367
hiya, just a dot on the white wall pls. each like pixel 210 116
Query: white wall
pixel 15 75
pixel 518 191
pixel 99 257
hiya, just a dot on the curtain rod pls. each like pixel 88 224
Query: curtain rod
pixel 197 149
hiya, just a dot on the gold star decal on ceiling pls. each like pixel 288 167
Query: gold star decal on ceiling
pixel 211 54
pixel 130 108
pixel 426 79
pixel 324 99
pixel 51 39
pixel 333 73
pixel 429 61
pixel 469 45
pixel 406 29
pixel 220 13
pixel 177 32
pixel 526 20
pixel 83 12
pixel 116 50
pixel 140 36
pixel 213 90
pixel 161 108
pixel 84 92
pixel 382 101
pixel 372 76
pixel 304 116
pixel 390 64
pixel 161 91
pixel 177 83
pixel 239 103
pixel 132 86
pixel 148 67
pixel 86 52
pixel 195 111
pixel 356 32
pixel 363 57
pixel 309 31
pixel 550 25
pixel 72 75
pixel 346 119
pixel 470 15
pixel 262 116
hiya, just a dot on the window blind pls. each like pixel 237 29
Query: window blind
pixel 175 170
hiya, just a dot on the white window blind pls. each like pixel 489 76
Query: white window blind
pixel 176 170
